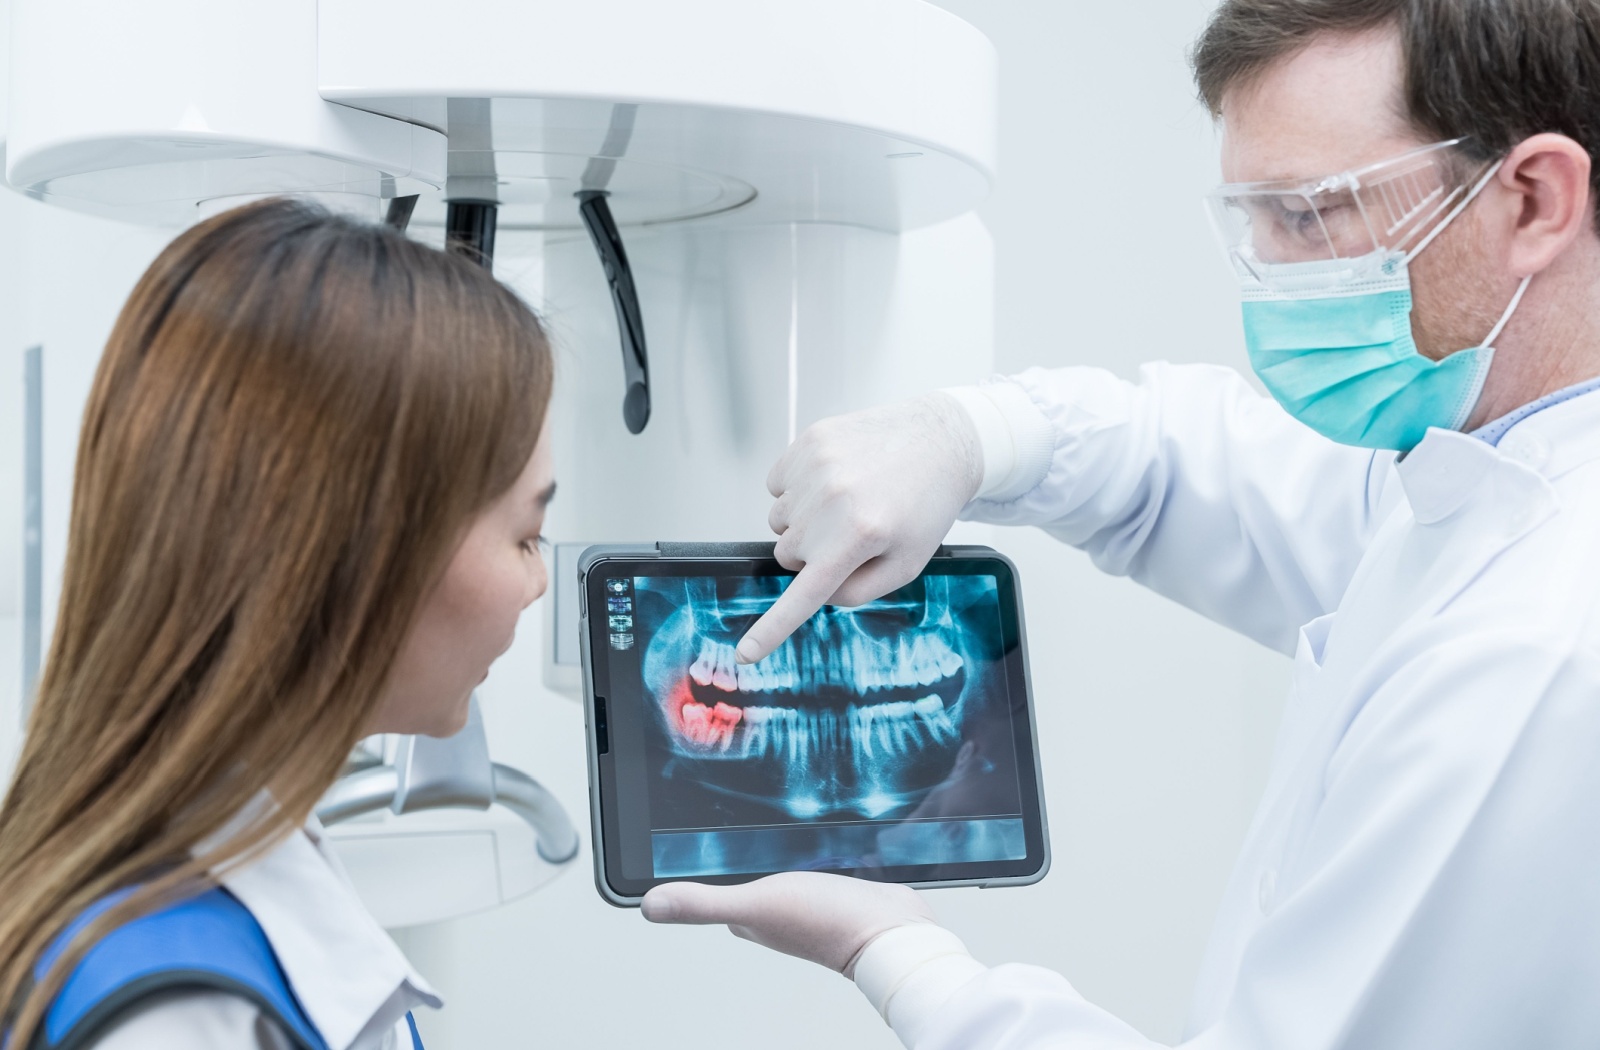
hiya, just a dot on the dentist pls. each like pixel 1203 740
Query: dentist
pixel 1414 515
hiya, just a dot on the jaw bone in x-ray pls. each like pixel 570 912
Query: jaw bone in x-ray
pixel 860 714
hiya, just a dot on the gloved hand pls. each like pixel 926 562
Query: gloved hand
pixel 828 919
pixel 863 501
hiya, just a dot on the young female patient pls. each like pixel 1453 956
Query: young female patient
pixel 309 492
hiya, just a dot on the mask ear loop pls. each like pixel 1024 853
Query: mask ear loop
pixel 1486 354
pixel 1516 300
pixel 1505 318
pixel 1487 345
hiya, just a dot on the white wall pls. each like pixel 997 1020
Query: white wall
pixel 1156 725
pixel 10 466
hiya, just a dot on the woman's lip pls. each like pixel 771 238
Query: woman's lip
pixel 503 650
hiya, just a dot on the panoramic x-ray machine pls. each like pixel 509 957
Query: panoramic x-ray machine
pixel 763 204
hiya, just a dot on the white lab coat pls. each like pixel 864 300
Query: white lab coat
pixel 350 977
pixel 1424 869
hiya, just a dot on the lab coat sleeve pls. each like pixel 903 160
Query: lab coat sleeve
pixel 1445 892
pixel 1188 481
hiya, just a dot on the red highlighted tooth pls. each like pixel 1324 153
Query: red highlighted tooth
pixel 706 727
pixel 695 722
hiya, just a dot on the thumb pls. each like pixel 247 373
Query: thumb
pixel 694 904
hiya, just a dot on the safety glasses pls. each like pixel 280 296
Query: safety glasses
pixel 1281 232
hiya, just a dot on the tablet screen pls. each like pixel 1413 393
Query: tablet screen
pixel 887 739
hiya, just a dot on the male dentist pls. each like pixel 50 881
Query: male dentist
pixel 1414 514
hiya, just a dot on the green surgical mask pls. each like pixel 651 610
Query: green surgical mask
pixel 1344 361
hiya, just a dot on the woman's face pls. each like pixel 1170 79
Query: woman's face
pixel 471 616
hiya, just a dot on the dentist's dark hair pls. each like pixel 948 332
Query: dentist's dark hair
pixel 1494 71
pixel 296 418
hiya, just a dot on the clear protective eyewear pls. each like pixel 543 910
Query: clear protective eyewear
pixel 1347 225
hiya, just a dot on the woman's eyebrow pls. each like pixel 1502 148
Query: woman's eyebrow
pixel 545 495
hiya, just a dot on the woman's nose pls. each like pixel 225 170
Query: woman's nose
pixel 538 583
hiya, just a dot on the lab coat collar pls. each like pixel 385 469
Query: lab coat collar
pixel 1442 474
pixel 346 971
pixel 1557 439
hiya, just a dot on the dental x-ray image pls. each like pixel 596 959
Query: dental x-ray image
pixel 876 736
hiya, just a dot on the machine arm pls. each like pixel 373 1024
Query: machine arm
pixel 376 788
pixel 453 773
pixel 630 320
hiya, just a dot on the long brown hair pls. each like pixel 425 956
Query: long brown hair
pixel 296 417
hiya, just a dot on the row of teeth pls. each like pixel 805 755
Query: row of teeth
pixel 859 663
pixel 870 731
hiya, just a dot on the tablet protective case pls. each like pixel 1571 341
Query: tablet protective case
pixel 738 783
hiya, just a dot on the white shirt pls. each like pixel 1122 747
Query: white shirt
pixel 1424 867
pixel 352 979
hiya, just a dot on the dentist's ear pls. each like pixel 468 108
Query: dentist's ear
pixel 1551 202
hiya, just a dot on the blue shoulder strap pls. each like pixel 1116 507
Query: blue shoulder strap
pixel 206 942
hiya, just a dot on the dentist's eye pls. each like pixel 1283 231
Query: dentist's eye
pixel 1298 220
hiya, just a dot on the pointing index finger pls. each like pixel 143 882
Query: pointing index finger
pixel 807 592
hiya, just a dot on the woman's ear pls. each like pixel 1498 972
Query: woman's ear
pixel 1549 176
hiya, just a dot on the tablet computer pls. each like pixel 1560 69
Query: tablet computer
pixel 892 741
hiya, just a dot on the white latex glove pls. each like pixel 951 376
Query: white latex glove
pixel 827 919
pixel 863 501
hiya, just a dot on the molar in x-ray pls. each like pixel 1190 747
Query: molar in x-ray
pixel 860 714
